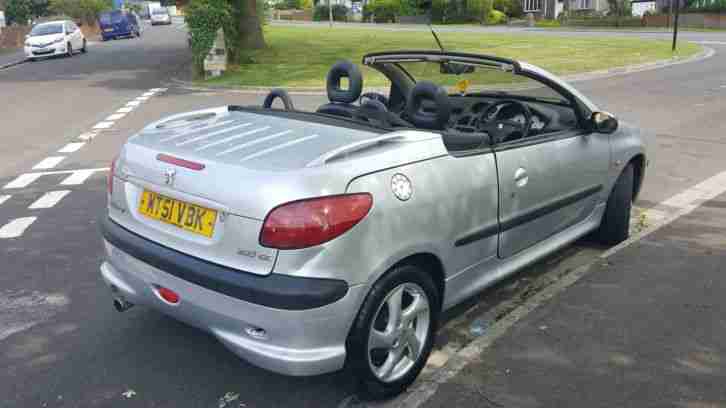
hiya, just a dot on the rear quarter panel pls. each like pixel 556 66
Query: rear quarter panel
pixel 451 197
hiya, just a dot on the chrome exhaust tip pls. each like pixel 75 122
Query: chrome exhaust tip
pixel 121 305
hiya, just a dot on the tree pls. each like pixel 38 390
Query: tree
pixel 19 11
pixel 249 27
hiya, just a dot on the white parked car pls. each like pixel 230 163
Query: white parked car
pixel 54 38
pixel 160 16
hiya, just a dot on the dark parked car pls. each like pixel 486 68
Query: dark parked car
pixel 115 24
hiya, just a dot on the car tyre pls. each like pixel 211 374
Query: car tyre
pixel 84 49
pixel 69 50
pixel 615 225
pixel 368 362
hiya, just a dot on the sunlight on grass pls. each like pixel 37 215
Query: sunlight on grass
pixel 300 57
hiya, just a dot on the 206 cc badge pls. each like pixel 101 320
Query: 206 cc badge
pixel 401 186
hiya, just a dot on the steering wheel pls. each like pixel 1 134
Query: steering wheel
pixel 278 93
pixel 505 130
pixel 373 96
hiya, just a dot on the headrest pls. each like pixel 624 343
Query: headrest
pixel 355 82
pixel 437 106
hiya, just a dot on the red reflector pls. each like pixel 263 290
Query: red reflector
pixel 179 162
pixel 306 223
pixel 168 295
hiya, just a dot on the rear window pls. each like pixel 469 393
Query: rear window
pixel 111 17
pixel 159 11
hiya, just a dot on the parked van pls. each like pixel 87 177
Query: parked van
pixel 117 23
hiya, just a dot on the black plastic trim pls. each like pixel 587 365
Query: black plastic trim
pixel 313 117
pixel 548 207
pixel 274 290
pixel 479 234
pixel 539 139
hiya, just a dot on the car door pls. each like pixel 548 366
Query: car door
pixel 548 183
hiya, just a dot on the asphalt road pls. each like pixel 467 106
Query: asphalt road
pixel 61 342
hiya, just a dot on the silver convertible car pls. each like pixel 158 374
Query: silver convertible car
pixel 308 241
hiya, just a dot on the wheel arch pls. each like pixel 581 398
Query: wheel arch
pixel 428 262
pixel 639 162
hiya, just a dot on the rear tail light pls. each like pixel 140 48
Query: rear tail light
pixel 306 223
pixel 109 180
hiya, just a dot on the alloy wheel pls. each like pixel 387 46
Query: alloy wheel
pixel 399 332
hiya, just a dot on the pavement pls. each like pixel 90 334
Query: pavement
pixel 643 328
pixel 61 343
pixel 11 57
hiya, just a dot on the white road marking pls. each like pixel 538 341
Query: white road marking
pixel 77 177
pixel 115 116
pixel 71 147
pixel 23 180
pixel 103 125
pixel 81 175
pixel 4 198
pixel 48 163
pixel 87 135
pixel 254 142
pixel 233 137
pixel 677 206
pixel 133 103
pixel 150 93
pixel 156 89
pixel 49 199
pixel 278 147
pixel 24 309
pixel 142 98
pixel 16 227
pixel 125 109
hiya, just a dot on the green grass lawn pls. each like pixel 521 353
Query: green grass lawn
pixel 299 57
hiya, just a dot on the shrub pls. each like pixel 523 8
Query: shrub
pixel 204 18
pixel 287 5
pixel 321 13
pixel 85 11
pixel 383 11
pixel 512 8
pixel 496 17
pixel 18 11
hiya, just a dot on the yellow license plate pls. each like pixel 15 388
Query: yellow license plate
pixel 190 217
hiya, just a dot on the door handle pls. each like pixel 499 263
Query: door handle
pixel 520 177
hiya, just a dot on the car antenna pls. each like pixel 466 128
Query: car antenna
pixel 436 37
pixel 428 5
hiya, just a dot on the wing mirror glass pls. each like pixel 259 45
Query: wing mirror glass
pixel 604 122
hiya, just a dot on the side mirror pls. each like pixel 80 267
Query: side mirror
pixel 603 122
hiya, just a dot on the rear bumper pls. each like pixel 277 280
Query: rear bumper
pixel 274 290
pixel 298 342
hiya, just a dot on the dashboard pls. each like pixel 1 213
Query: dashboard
pixel 468 112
